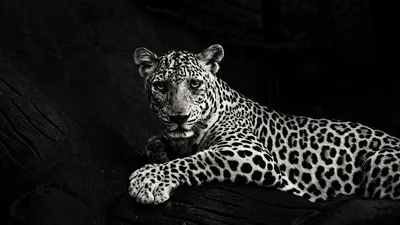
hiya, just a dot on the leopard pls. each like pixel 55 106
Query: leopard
pixel 213 133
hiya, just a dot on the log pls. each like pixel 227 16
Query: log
pixel 49 161
pixel 241 204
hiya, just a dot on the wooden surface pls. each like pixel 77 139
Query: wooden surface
pixel 240 204
pixel 42 145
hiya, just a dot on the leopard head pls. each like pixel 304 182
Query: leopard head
pixel 179 87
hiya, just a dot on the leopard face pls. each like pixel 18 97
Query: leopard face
pixel 177 92
pixel 179 87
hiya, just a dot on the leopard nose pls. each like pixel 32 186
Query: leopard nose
pixel 179 119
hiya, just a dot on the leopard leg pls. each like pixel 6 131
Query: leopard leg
pixel 238 163
pixel 157 149
pixel 381 175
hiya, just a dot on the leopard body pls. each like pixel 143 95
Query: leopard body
pixel 219 135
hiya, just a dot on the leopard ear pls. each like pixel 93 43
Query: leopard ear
pixel 145 60
pixel 211 57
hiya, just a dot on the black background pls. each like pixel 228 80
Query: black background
pixel 334 59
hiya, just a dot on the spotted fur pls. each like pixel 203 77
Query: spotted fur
pixel 217 134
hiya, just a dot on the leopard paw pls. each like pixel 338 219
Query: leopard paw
pixel 156 149
pixel 151 185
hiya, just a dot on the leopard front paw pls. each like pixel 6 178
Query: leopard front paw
pixel 150 185
pixel 156 149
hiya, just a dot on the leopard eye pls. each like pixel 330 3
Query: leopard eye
pixel 194 83
pixel 160 85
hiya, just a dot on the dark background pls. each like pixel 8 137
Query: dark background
pixel 72 108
